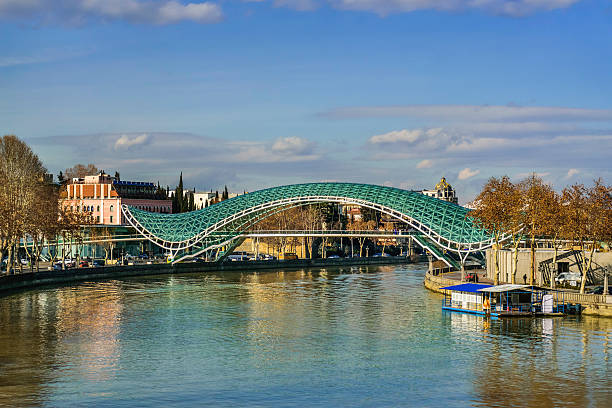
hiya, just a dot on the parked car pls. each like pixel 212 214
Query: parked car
pixel 334 257
pixel 599 290
pixel 97 263
pixel 238 256
pixel 471 277
pixel 289 256
pixel 380 254
pixel 69 263
pixel 262 257
pixel 24 261
pixel 570 277
pixel 83 264
pixel 143 256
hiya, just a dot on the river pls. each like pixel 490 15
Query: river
pixel 352 336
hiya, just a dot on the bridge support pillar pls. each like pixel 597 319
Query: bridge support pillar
pixel 430 257
pixel 605 285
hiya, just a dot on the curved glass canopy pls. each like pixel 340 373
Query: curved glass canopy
pixel 446 224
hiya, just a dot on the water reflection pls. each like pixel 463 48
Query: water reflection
pixel 331 336
pixel 539 362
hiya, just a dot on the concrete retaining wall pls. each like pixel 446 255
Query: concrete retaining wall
pixel 32 280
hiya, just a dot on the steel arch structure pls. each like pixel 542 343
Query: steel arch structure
pixel 444 223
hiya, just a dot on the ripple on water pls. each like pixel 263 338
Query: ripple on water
pixel 358 336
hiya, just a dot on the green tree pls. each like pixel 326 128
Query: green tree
pixel 178 200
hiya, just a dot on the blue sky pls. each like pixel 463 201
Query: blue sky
pixel 259 93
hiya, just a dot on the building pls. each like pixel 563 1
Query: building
pixel 203 199
pixel 102 196
pixel 443 191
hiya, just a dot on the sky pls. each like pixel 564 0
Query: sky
pixel 257 93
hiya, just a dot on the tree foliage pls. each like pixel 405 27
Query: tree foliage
pixel 29 207
pixel 80 171
pixel 531 209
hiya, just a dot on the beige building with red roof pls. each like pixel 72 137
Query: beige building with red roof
pixel 102 196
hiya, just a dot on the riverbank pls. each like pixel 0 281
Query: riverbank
pixel 592 305
pixel 30 280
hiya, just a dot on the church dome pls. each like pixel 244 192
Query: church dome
pixel 443 184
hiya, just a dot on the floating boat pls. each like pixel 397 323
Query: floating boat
pixel 508 300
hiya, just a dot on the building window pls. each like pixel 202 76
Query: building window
pixel 98 208
pixel 111 208
pixel 98 219
pixel 111 218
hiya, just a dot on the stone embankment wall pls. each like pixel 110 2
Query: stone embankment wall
pixel 31 280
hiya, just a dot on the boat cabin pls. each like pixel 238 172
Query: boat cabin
pixel 465 298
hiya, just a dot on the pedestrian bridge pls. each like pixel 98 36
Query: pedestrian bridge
pixel 444 225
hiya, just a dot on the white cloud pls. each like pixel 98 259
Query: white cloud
pixel 473 113
pixel 126 141
pixel 404 135
pixel 467 173
pixel 135 11
pixel 292 145
pixel 513 8
pixel 424 164
pixel 571 173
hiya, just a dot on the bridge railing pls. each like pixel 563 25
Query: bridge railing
pixel 381 233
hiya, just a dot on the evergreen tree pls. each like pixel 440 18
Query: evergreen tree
pixel 225 195
pixel 191 205
pixel 178 201
pixel 60 177
pixel 117 176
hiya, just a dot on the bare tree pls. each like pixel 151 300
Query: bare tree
pixel 22 173
pixel 80 171
pixel 495 212
pixel 589 218
pixel 362 225
pixel 537 196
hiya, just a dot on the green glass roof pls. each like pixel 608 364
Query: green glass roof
pixel 440 220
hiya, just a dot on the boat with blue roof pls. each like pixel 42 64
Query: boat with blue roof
pixel 508 300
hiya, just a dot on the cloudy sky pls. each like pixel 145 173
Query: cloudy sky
pixel 256 93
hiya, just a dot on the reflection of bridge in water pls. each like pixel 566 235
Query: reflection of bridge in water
pixel 439 226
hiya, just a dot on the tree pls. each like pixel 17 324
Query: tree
pixel 362 225
pixel 494 211
pixel 191 205
pixel 225 195
pixel 589 217
pixel 118 177
pixel 178 199
pixel 554 225
pixel 537 196
pixel 22 174
pixel 60 177
pixel 80 171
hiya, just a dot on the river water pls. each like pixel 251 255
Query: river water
pixel 352 336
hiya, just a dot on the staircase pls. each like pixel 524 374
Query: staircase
pixel 594 275
pixel 430 246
